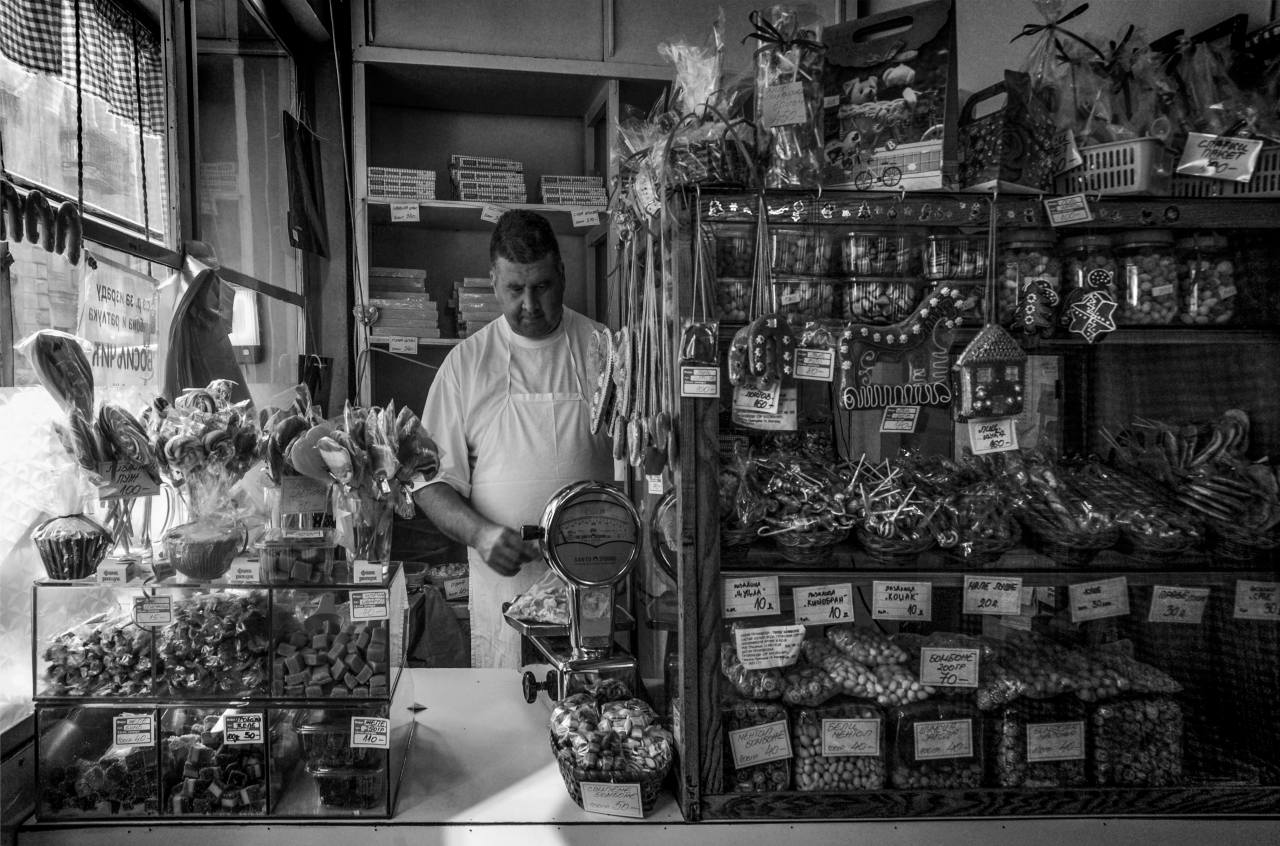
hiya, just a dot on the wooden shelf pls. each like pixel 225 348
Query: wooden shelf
pixel 461 215
pixel 1147 335
pixel 422 342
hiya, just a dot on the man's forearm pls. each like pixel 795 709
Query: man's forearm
pixel 450 513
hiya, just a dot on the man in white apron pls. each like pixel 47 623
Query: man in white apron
pixel 510 411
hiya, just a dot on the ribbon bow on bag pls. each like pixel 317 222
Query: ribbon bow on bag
pixel 770 37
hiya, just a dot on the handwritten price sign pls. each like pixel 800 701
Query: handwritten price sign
pixel 949 667
pixel 1178 605
pixel 1100 599
pixel 822 605
pixel 619 800
pixel 988 436
pixel 760 744
pixel 987 595
pixel 370 733
pixel 1055 742
pixel 911 601
pixel 1257 601
pixel 243 729
pixel 752 596
pixel 943 739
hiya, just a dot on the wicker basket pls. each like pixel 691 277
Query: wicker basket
pixel 1237 544
pixel 574 776
pixel 982 552
pixel 893 551
pixel 1071 549
pixel 810 547
pixel 1146 551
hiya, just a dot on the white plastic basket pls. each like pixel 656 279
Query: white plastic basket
pixel 397 182
pixel 1140 166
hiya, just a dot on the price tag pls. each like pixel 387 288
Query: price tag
pixel 242 729
pixel 370 605
pixel 1220 157
pixel 619 800
pixel 404 213
pixel 1055 741
pixel 153 610
pixel 125 481
pixel 133 730
pixel 943 739
pixel 783 421
pixel 1100 599
pixel 943 667
pixel 790 298
pixel 1068 209
pixel 816 365
pixel 404 344
pixel 1257 600
pixel 365 573
pixel 653 484
pixel 760 744
pixel 1064 152
pixel 302 494
pixel 822 605
pixel 902 601
pixel 768 647
pixel 1162 291
pixel 899 419
pixel 243 573
pixel 303 534
pixel 783 105
pixel 459 588
pixel 998 435
pixel 1178 605
pixel 114 572
pixel 584 217
pixel 992 595
pixel 764 401
pixel 751 596
pixel 490 213
pixel 831 101
pixel 370 733
pixel 850 738
pixel 698 381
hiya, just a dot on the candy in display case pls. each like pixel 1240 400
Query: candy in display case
pixel 213 761
pixel 936 745
pixel 300 557
pixel 96 761
pixel 838 747
pixel 1039 743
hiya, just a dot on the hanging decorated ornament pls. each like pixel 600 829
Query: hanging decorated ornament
pixel 772 350
pixel 1034 316
pixel 990 375
pixel 602 393
pixel 1089 311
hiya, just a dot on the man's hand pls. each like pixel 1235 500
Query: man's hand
pixel 502 549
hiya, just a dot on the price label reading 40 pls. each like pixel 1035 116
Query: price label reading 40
pixel 134 730
pixel 751 596
pixel 242 729
pixel 370 733
pixel 1257 600
pixel 902 601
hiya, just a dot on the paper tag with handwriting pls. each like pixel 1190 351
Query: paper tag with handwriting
pixel 1257 600
pixel 899 419
pixel 751 596
pixel 370 605
pixel 762 400
pixel 821 605
pixel 942 667
pixel 370 733
pixel 850 738
pixel 943 739
pixel 1220 157
pixel 992 594
pixel 490 213
pixel 699 381
pixel 242 729
pixel 769 646
pixel 584 217
pixel 303 494
pixel 1068 209
pixel 404 213
pixel 1100 599
pixel 783 105
pixel 784 420
pixel 125 481
pixel 1064 152
pixel 1178 605
pixel 404 344
pixel 153 610
pixel 760 744
pixel 243 573
pixel 619 800
pixel 1055 741
pixel 816 365
pixel 911 601
pixel 459 588
pixel 653 483
pixel 133 730
pixel 998 435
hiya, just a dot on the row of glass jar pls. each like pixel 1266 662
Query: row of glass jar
pixel 1155 278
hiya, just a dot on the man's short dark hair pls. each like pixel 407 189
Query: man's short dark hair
pixel 523 237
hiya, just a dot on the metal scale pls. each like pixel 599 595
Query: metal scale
pixel 589 536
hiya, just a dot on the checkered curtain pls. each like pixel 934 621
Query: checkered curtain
pixel 40 35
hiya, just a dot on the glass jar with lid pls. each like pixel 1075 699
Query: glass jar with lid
pixel 1206 280
pixel 1026 256
pixel 1087 261
pixel 800 250
pixel 954 256
pixel 1148 286
pixel 876 253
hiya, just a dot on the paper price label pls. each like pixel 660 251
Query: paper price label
pixel 831 101
pixel 760 744
pixel 851 738
pixel 1220 157
pixel 988 436
pixel 768 647
pixel 1257 600
pixel 125 481
pixel 619 800
pixel 949 667
pixel 1178 605
pixel 303 494
pixel 1068 209
pixel 153 610
pixel 790 298
pixel 783 421
pixel 697 381
pixel 242 729
pixel 763 401
pixel 370 605
pixel 912 601
pixel 457 588
pixel 304 534
pixel 403 344
pixel 490 213
pixel 783 105
pixel 364 572
pixel 243 573
pixel 751 596
pixel 1055 741
pixel 899 419
pixel 653 484
pixel 822 605
pixel 404 213
pixel 1100 599
pixel 1064 152
pixel 584 217
pixel 991 595
pixel 370 733
pixel 113 573
pixel 943 739
pixel 816 365
pixel 133 730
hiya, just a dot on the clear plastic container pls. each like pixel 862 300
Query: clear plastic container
pixel 1206 280
pixel 876 253
pixel 299 557
pixel 879 302
pixel 96 761
pixel 754 778
pixel 1025 257
pixel 838 747
pixel 937 745
pixel 800 251
pixel 1148 287
pixel 202 774
pixel 1089 257
pixel 348 788
pixel 954 257
pixel 735 250
pixel 1040 743
pixel 804 297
